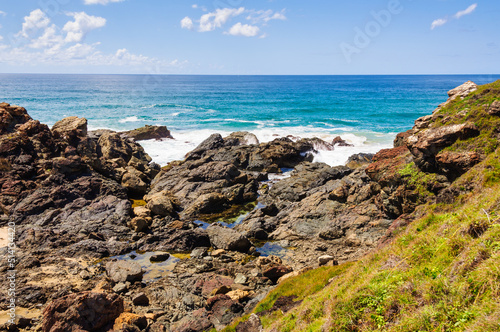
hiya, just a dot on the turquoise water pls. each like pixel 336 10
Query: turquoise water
pixel 366 110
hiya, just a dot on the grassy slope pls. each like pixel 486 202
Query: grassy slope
pixel 441 273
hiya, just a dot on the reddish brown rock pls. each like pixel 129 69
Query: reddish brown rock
pixel 386 165
pixel 215 282
pixel 276 272
pixel 457 163
pixel 400 139
pixel 128 318
pixel 86 311
pixel 197 321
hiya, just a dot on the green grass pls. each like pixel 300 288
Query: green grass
pixel 435 276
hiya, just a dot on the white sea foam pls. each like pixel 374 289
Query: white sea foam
pixel 130 119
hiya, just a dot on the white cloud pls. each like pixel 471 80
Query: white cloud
pixel 40 42
pixel 2 13
pixel 266 16
pixel 1 38
pixel 195 6
pixel 49 39
pixel 100 2
pixel 442 21
pixel 83 23
pixel 187 23
pixel 439 22
pixel 245 30
pixel 35 21
pixel 217 19
pixel 468 11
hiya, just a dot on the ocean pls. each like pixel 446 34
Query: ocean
pixel 367 111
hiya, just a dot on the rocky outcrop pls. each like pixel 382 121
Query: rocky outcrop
pixel 70 127
pixel 426 144
pixel 228 239
pixel 358 160
pixel 82 312
pixel 121 271
pixel 494 108
pixel 147 132
pixel 462 90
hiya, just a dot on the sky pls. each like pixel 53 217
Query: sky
pixel 257 37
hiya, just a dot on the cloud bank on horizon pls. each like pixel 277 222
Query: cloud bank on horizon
pixel 442 21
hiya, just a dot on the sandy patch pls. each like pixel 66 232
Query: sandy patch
pixel 4 236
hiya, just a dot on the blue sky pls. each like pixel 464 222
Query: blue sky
pixel 246 37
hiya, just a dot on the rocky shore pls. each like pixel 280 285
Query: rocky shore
pixel 88 206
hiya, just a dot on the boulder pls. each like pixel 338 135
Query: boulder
pixel 340 142
pixel 128 318
pixel 10 116
pixel 323 260
pixel 148 132
pixel 240 138
pixel 210 286
pixel 252 324
pixel 113 146
pixel 358 160
pixel 134 184
pixel 424 145
pixel 160 204
pixel 276 272
pixel 122 271
pixel 238 295
pixel 70 127
pixel 86 311
pixel 494 108
pixel 159 257
pixel 139 224
pixel 454 164
pixel 462 90
pixel 228 239
pixel 400 139
pixel 318 144
pixel 196 321
pixel 215 141
pixel 140 299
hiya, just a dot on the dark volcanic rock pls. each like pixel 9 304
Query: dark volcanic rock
pixel 228 239
pixel 82 312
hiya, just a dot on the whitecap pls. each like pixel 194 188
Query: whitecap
pixel 130 119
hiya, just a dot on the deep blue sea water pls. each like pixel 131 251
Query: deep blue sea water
pixel 366 110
